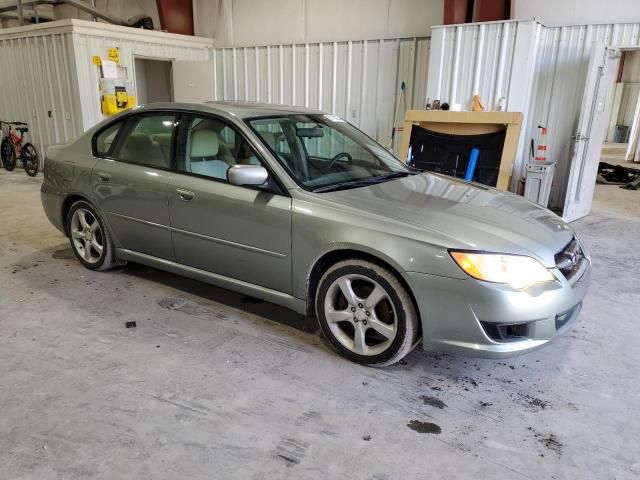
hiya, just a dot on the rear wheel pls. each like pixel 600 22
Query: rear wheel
pixel 8 154
pixel 89 238
pixel 30 160
pixel 366 313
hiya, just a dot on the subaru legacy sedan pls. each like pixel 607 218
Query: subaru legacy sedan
pixel 300 208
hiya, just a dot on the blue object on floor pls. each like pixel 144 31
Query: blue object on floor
pixel 473 161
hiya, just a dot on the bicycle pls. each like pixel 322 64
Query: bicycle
pixel 13 149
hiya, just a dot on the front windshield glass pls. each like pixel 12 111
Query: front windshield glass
pixel 323 152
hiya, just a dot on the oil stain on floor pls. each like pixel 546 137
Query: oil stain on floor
pixel 424 427
pixel 433 401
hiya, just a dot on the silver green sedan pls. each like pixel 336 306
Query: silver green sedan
pixel 302 209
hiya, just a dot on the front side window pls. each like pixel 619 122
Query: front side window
pixel 209 147
pixel 323 152
pixel 146 140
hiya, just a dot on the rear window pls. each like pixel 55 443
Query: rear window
pixel 105 139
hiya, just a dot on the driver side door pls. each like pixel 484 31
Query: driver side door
pixel 239 232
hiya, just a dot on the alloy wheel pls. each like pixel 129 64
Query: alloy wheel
pixel 87 235
pixel 360 314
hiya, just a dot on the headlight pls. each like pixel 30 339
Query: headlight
pixel 515 270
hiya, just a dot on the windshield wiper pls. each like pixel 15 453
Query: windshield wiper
pixel 362 183
pixel 393 175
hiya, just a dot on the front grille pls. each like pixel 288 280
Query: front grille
pixel 569 259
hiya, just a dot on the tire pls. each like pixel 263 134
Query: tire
pixel 91 257
pixel 30 159
pixel 379 325
pixel 8 154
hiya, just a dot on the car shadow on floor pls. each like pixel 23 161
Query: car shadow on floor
pixel 229 298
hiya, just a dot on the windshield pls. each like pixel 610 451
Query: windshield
pixel 323 152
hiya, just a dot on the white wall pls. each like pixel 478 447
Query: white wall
pixel 358 80
pixel 39 87
pixel 577 12
pixel 54 84
pixel 94 39
pixel 274 22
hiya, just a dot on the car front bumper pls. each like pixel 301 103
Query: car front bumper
pixel 491 320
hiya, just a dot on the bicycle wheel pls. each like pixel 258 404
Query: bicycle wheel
pixel 30 160
pixel 8 154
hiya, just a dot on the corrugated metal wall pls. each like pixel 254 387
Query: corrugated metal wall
pixel 482 58
pixel 474 58
pixel 35 86
pixel 48 80
pixel 560 76
pixel 54 84
pixel 358 80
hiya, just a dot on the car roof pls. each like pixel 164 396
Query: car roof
pixel 237 109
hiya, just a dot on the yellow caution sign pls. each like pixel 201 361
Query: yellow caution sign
pixel 122 97
pixel 113 54
pixel 95 59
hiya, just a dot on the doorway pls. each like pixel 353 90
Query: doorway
pixel 595 122
pixel 617 148
pixel 153 80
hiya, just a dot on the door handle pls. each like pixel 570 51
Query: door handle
pixel 103 176
pixel 578 137
pixel 185 195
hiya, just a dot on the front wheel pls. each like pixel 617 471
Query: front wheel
pixel 30 160
pixel 8 154
pixel 366 313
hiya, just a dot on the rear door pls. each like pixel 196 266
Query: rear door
pixel 130 181
pixel 238 232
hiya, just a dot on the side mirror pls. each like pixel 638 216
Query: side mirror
pixel 253 175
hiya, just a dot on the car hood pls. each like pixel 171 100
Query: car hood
pixel 463 215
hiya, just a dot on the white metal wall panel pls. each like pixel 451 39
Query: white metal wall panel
pixel 561 77
pixel 473 59
pixel 49 81
pixel 479 58
pixel 35 74
pixel 86 45
pixel 358 80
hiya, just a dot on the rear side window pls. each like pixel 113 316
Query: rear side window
pixel 106 138
pixel 146 140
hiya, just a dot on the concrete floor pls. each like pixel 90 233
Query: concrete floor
pixel 210 385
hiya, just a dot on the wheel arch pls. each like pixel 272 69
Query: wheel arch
pixel 68 201
pixel 330 258
pixel 72 198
